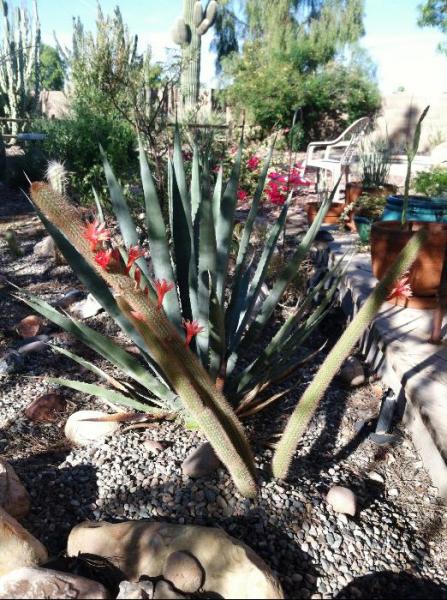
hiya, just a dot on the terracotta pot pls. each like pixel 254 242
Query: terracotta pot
pixel 333 214
pixel 387 240
pixel 354 189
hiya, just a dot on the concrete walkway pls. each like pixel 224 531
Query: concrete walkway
pixel 396 348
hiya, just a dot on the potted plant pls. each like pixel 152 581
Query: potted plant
pixel 333 214
pixel 389 237
pixel 375 162
pixel 430 203
pixel 367 209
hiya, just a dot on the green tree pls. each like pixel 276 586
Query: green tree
pixel 433 13
pixel 294 57
pixel 52 70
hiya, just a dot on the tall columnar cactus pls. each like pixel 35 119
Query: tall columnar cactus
pixel 187 33
pixel 308 403
pixel 20 63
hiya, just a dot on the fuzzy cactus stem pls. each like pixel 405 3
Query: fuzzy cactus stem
pixel 309 401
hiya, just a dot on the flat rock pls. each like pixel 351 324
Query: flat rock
pixel 45 248
pixel 184 571
pixel 29 326
pixel 352 372
pixel 36 343
pixel 138 548
pixel 81 430
pixel 18 547
pixel 70 298
pixel 35 582
pixel 165 591
pixel 142 590
pixel 85 308
pixel 342 500
pixel 45 407
pixel 13 496
pixel 201 462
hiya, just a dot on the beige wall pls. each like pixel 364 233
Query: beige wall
pixel 400 112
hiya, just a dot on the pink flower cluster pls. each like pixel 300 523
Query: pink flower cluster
pixel 281 185
pixel 253 162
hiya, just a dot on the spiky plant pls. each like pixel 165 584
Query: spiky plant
pixel 187 33
pixel 188 287
pixel 19 63
pixel 309 401
pixel 56 175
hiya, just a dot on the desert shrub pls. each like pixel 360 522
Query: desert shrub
pixel 75 141
pixel 431 183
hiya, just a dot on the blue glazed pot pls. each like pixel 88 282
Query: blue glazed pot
pixel 363 226
pixel 420 208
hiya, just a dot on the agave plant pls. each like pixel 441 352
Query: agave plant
pixel 192 310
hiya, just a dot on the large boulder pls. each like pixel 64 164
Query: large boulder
pixel 231 569
pixel 82 429
pixel 18 548
pixel 13 496
pixel 35 582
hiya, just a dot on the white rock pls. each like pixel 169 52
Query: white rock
pixel 85 308
pixel 139 548
pixel 18 548
pixel 45 248
pixel 13 496
pixel 393 492
pixel 81 430
pixel 141 590
pixel 342 500
pixel 45 583
pixel 376 477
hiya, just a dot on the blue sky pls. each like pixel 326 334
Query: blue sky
pixel 405 54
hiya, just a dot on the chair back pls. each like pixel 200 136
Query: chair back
pixel 354 133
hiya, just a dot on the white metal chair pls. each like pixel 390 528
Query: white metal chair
pixel 335 156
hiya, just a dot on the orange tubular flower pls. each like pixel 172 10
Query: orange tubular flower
pixel 402 290
pixel 162 287
pixel 109 260
pixel 134 254
pixel 95 233
pixel 192 328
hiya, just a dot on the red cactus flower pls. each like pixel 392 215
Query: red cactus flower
pixel 109 259
pixel 134 254
pixel 137 277
pixel 162 287
pixel 253 163
pixel 401 290
pixel 95 233
pixel 242 195
pixel 192 328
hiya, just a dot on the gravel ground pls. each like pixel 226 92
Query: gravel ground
pixel 395 545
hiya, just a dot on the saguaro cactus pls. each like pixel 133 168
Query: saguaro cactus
pixel 187 33
pixel 20 63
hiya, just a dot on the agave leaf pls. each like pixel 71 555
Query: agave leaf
pixel 105 393
pixel 158 243
pixel 238 302
pixel 260 274
pixel 98 206
pixel 225 224
pixel 246 235
pixel 289 271
pixel 217 196
pixel 179 171
pixel 103 346
pixel 122 212
pixel 216 331
pixel 91 367
pixel 196 190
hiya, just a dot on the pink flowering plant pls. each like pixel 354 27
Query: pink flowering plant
pixel 192 310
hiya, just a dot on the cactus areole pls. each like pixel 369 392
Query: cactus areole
pixel 187 33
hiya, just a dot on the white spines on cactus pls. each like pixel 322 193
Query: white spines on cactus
pixel 56 175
